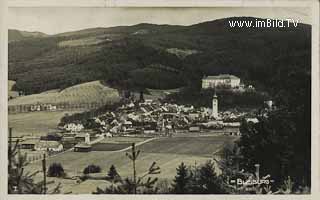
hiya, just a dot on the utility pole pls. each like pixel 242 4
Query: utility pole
pixel 44 174
pixel 134 168
pixel 10 149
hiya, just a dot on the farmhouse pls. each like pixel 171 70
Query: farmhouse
pixel 220 80
pixel 28 144
pixel 72 127
pixel 48 146
pixel 82 137
pixel 82 147
pixel 194 128
pixel 68 141
pixel 232 128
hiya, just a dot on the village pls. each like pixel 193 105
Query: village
pixel 143 118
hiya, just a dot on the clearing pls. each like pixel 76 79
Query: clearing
pixel 91 92
pixel 35 123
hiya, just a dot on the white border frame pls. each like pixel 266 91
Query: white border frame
pixel 314 4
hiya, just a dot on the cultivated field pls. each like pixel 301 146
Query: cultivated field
pixel 116 143
pixel 167 152
pixel 91 92
pixel 35 123
pixel 198 146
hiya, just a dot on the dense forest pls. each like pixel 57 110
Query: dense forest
pixel 157 56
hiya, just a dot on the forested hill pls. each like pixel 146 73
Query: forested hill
pixel 159 56
pixel 16 35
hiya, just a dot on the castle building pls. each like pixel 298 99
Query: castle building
pixel 220 80
pixel 215 106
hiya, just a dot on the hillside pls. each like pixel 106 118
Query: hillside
pixel 92 92
pixel 16 35
pixel 159 56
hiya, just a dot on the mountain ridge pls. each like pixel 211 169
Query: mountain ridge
pixel 124 59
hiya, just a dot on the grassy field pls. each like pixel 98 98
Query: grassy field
pixel 167 152
pixel 202 146
pixel 90 92
pixel 109 146
pixel 35 123
pixel 116 143
pixel 120 139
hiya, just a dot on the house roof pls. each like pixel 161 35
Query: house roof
pixel 83 145
pixel 30 141
pixel 47 144
pixel 221 76
pixel 81 135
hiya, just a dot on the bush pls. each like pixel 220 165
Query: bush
pixel 92 169
pixel 56 170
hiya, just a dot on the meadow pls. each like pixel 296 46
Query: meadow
pixel 166 152
pixel 90 92
pixel 35 123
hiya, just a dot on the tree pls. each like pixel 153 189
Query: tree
pixel 163 186
pixel 92 169
pixel 113 174
pixel 138 181
pixel 143 184
pixel 20 181
pixel 276 143
pixel 208 181
pixel 56 170
pixel 181 180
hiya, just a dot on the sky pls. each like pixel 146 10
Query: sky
pixel 57 20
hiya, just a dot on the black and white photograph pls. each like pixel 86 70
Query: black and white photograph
pixel 159 100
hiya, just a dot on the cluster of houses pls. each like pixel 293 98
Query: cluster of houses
pixel 145 118
pixel 161 119
pixel 43 107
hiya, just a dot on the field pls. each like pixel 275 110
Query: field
pixel 116 143
pixel 35 123
pixel 168 153
pixel 91 92
pixel 159 94
pixel 198 146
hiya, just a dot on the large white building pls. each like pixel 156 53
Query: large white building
pixel 220 80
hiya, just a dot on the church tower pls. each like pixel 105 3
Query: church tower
pixel 215 106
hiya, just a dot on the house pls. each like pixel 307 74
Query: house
pixel 82 137
pixel 28 144
pixel 269 104
pixel 232 128
pixel 48 146
pixel 73 127
pixel 252 120
pixel 194 115
pixel 35 108
pixel 68 142
pixel 194 128
pixel 213 124
pixel 82 147
pixel 52 137
pixel 220 80
pixel 150 127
